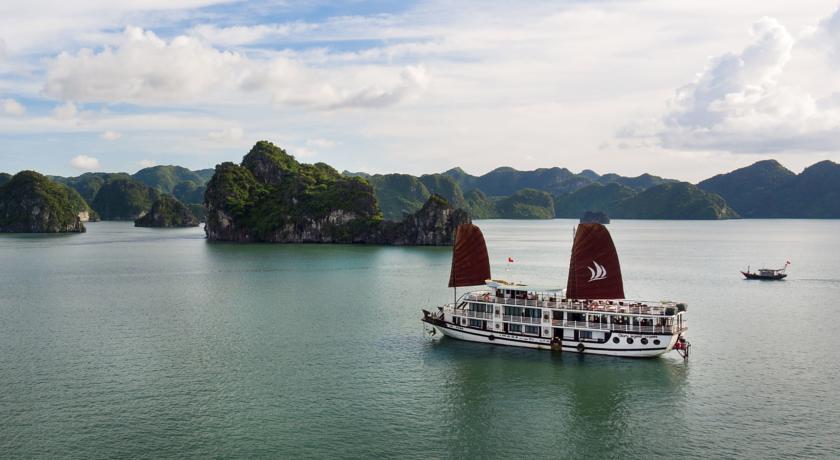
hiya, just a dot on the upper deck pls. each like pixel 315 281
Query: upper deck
pixel 504 293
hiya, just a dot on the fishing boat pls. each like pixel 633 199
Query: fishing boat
pixel 591 315
pixel 768 274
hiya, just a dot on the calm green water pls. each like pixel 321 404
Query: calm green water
pixel 127 342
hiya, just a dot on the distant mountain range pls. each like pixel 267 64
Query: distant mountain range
pixel 768 189
pixel 765 189
pixel 548 193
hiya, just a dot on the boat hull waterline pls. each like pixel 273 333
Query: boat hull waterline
pixel 608 348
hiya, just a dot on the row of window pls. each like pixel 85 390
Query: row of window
pixel 521 329
pixel 535 330
pixel 522 311
pixel 630 341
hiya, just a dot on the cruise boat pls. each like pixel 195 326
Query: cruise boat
pixel 589 316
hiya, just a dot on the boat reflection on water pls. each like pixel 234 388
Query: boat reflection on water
pixel 506 402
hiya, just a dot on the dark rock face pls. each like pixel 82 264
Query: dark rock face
pixel 433 225
pixel 167 212
pixel 31 203
pixel 273 198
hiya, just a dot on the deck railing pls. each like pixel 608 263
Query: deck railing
pixel 474 314
pixel 593 325
pixel 640 308
pixel 521 319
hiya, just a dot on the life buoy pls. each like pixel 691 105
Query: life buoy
pixel 581 347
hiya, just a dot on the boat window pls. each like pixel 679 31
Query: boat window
pixel 656 341
pixel 644 341
pixel 532 312
pixel 585 334
pixel 616 340
pixel 515 328
pixel 532 330
pixel 475 323
pixel 630 340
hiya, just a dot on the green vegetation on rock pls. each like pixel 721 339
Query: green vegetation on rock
pixel 594 197
pixel 165 178
pixel 767 189
pixel 751 190
pixel 189 192
pixel 167 212
pixel 526 204
pixel 88 184
pixel 31 203
pixel 677 200
pixel 446 187
pixel 479 205
pixel 398 194
pixel 4 177
pixel 123 199
pixel 274 198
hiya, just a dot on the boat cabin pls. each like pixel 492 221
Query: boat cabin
pixel 545 312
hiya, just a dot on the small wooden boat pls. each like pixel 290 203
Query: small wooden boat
pixel 770 274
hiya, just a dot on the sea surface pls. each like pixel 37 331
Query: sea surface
pixel 136 342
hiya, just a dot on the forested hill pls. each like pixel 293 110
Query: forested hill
pixel 765 189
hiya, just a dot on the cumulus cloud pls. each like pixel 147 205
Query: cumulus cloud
pixel 146 69
pixel 110 135
pixel 738 104
pixel 12 107
pixel 85 163
pixel 231 134
pixel 66 111
pixel 3 50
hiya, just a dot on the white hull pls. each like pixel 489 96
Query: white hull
pixel 636 350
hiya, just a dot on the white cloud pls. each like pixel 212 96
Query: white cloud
pixel 145 69
pixel 85 163
pixel 741 103
pixel 66 111
pixel 110 135
pixel 3 49
pixel 243 35
pixel 12 107
pixel 231 134
pixel 302 152
pixel 502 82
pixel 146 163
pixel 826 35
pixel 320 143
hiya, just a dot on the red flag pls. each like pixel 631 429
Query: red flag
pixel 510 259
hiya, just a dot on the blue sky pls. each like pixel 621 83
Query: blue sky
pixel 679 89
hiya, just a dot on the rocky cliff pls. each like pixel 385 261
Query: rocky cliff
pixel 31 203
pixel 433 225
pixel 167 212
pixel 273 198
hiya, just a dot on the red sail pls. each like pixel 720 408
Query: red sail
pixel 470 263
pixel 594 271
